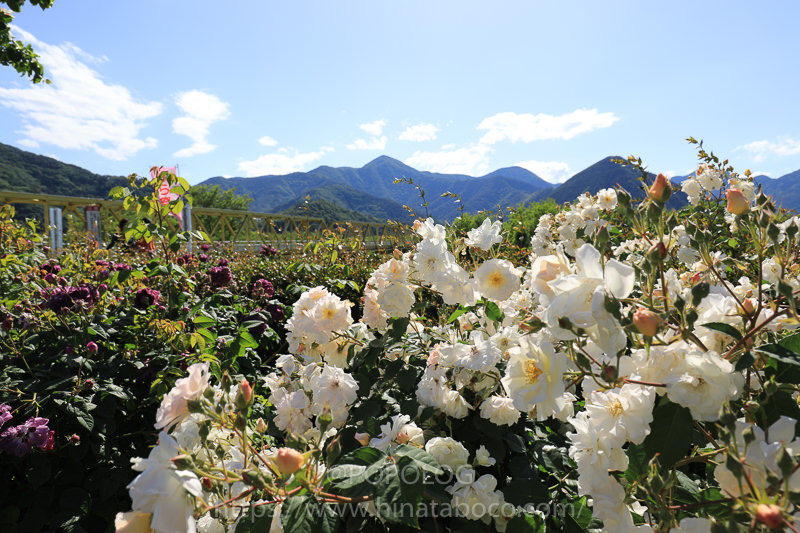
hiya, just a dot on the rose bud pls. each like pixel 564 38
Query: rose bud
pixel 769 515
pixel 288 461
pixel 661 190
pixel 749 306
pixel 75 439
pixel 261 426
pixel 362 438
pixel 737 203
pixel 646 321
pixel 657 252
pixel 245 396
pixel 91 347
pixel 417 224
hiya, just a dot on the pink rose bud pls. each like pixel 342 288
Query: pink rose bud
pixel 288 461
pixel 261 426
pixel 646 321
pixel 769 515
pixel 92 347
pixel 749 306
pixel 737 203
pixel 246 391
pixel 362 438
pixel 417 224
pixel 660 191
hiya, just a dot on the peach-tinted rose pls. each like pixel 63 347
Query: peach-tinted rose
pixel 737 203
pixel 646 321
pixel 660 190
pixel 288 460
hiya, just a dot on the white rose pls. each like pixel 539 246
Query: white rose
pixel 448 452
pixel 174 406
pixel 486 235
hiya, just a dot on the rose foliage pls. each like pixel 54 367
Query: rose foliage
pixel 638 373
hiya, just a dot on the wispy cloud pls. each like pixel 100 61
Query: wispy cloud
pixel 200 110
pixel 761 149
pixel 472 160
pixel 419 133
pixel 79 110
pixel 552 171
pixel 377 142
pixel 267 141
pixel 374 128
pixel 284 161
pixel 528 128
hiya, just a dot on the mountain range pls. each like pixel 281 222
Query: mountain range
pixel 372 190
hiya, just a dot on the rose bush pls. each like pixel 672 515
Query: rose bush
pixel 638 373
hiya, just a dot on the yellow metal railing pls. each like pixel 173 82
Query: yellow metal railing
pixel 229 225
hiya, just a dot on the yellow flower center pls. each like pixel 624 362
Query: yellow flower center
pixel 496 279
pixel 615 408
pixel 532 372
pixel 329 313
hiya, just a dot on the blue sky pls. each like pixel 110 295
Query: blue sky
pixel 247 87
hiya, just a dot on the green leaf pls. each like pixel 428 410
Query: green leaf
pixel 420 457
pixel 455 314
pixel 727 329
pixel 780 353
pixel 82 416
pixel 493 312
pixel 362 456
pixel 670 433
pixel 398 491
pixel 526 523
pixel 399 327
pixel 304 514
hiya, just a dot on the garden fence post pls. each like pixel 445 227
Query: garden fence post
pixel 187 224
pixel 92 217
pixel 56 229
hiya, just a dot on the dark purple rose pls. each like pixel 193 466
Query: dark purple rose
pixel 275 311
pixel 53 268
pixel 91 346
pixel 5 414
pixel 260 327
pixel 19 440
pixel 145 298
pixel 102 264
pixel 122 266
pixel 267 251
pixel 70 298
pixel 222 262
pixel 263 289
pixel 205 247
pixel 203 258
pixel 51 278
pixel 220 276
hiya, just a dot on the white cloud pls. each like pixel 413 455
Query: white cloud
pixel 419 133
pixel 284 161
pixel 79 110
pixel 552 171
pixel 373 144
pixel 760 149
pixel 267 141
pixel 472 160
pixel 528 128
pixel 374 128
pixel 200 110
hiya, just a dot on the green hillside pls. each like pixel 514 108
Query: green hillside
pixel 327 210
pixel 23 171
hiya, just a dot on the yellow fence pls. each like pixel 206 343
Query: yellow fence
pixel 241 228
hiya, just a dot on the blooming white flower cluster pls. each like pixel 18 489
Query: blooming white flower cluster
pixel 568 226
pixel 299 393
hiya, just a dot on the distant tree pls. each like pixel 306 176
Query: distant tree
pixel 205 196
pixel 14 52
